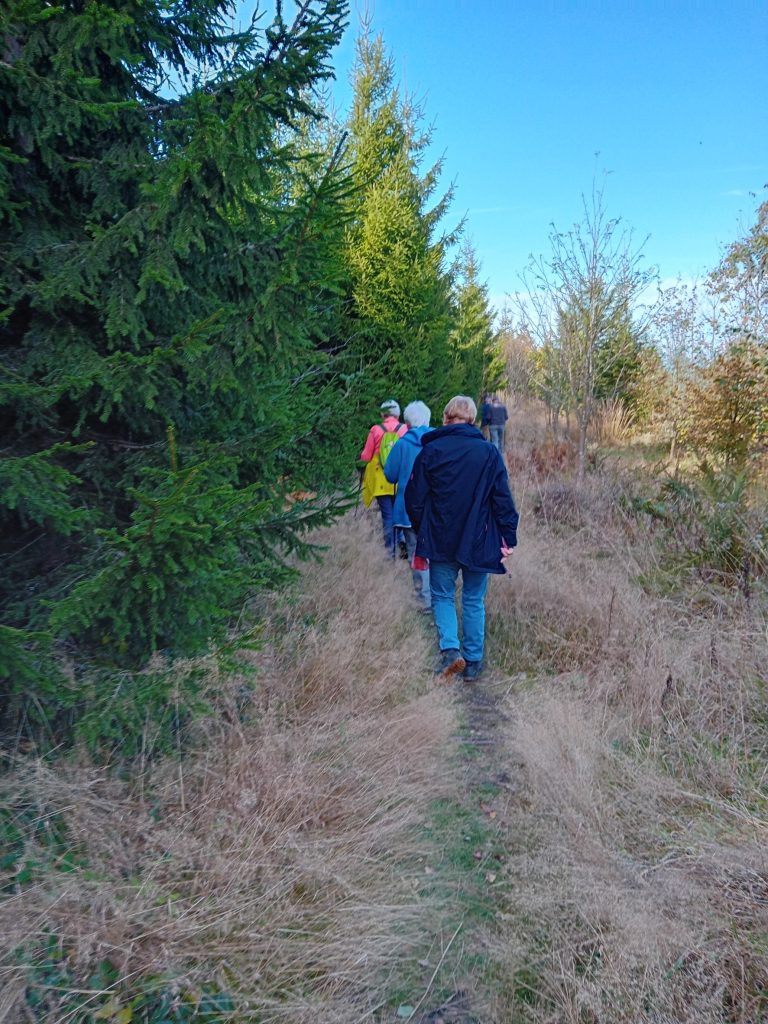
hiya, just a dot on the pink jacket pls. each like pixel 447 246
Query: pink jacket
pixel 375 434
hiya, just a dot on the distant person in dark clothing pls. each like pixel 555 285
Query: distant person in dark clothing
pixel 459 502
pixel 498 422
pixel 485 417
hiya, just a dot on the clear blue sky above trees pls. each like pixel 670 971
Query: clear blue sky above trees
pixel 523 95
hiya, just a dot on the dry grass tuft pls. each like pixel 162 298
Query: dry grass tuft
pixel 277 860
pixel 599 501
pixel 613 423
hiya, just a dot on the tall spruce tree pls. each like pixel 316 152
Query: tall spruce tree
pixel 478 362
pixel 400 311
pixel 166 266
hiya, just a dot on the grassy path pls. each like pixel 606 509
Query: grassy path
pixel 467 830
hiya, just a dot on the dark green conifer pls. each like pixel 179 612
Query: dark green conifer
pixel 400 315
pixel 478 364
pixel 168 247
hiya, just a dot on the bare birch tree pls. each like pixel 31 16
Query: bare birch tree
pixel 579 300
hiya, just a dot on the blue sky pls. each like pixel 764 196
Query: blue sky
pixel 522 95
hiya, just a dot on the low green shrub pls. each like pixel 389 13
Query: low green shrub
pixel 714 523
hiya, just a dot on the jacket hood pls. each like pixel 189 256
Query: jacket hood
pixel 415 435
pixel 465 430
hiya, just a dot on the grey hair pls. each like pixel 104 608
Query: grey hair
pixel 417 414
pixel 461 408
pixel 391 407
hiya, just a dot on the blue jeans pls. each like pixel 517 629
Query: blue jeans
pixel 442 580
pixel 497 437
pixel 386 505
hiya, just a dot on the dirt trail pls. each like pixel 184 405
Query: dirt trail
pixel 489 785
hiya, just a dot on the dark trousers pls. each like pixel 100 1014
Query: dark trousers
pixel 386 505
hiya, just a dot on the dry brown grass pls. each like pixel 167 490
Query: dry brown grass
pixel 635 898
pixel 535 446
pixel 278 859
pixel 637 879
pixel 613 423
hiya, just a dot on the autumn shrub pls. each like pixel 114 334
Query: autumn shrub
pixel 727 408
pixel 553 457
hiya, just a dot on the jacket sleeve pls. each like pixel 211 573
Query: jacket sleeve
pixel 392 465
pixel 416 492
pixel 369 449
pixel 503 506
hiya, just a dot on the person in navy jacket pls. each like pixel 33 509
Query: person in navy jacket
pixel 459 502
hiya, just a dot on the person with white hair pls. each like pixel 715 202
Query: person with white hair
pixel 397 470
pixel 380 439
pixel 459 502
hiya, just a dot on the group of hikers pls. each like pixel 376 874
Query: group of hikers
pixel 444 492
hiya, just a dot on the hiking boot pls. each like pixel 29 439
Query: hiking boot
pixel 450 664
pixel 472 670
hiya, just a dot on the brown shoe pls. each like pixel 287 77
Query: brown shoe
pixel 451 663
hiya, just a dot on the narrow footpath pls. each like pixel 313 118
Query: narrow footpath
pixel 459 988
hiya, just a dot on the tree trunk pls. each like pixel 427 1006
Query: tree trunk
pixel 554 416
pixel 583 424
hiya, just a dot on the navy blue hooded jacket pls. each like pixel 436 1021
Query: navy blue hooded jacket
pixel 459 501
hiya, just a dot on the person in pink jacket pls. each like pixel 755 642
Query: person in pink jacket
pixel 383 491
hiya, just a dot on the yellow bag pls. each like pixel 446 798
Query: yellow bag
pixel 374 481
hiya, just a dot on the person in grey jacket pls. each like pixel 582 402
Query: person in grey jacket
pixel 497 422
pixel 397 469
